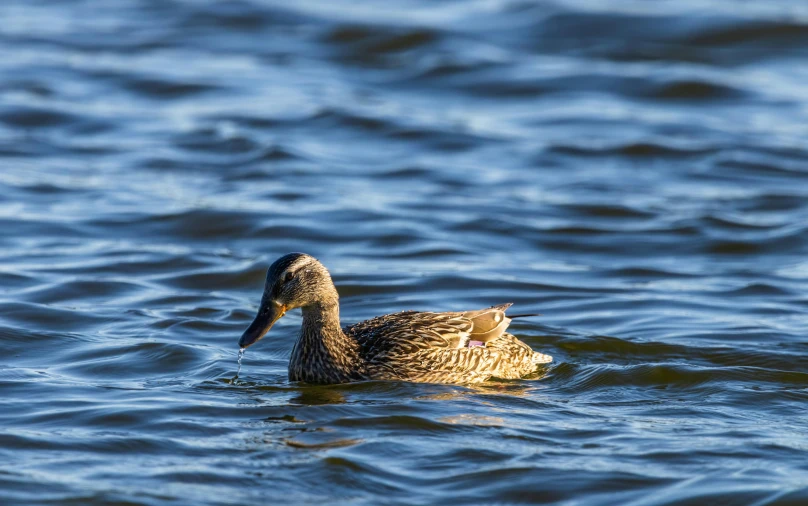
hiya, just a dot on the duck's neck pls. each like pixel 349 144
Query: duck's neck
pixel 323 353
pixel 321 320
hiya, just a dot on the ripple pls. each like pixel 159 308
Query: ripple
pixel 760 289
pixel 608 211
pixel 674 376
pixel 239 16
pixel 78 291
pixel 758 168
pixel 638 149
pixel 669 37
pixel 35 118
pixel 338 118
pixel 158 88
pixel 210 141
pixel 372 46
pixel 770 34
pixel 695 90
pixel 46 317
pixel 192 224
pixel 215 278
pixel 130 362
pixel 736 248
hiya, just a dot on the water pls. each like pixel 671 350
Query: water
pixel 636 172
pixel 238 360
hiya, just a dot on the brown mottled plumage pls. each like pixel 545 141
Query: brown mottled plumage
pixel 407 346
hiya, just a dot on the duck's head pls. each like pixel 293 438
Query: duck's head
pixel 294 280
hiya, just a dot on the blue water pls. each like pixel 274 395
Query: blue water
pixel 636 172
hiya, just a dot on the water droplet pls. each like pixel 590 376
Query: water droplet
pixel 240 356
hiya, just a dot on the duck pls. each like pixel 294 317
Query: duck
pixel 458 347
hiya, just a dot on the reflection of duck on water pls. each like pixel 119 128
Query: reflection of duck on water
pixel 453 347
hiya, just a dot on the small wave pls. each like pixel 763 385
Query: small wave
pixel 694 90
pixel 213 278
pixel 211 141
pixel 164 89
pixel 638 37
pixel 649 272
pixel 669 376
pixel 735 248
pixel 758 34
pixel 192 224
pixel 760 289
pixel 608 211
pixel 767 169
pixel 47 317
pixel 400 422
pixel 375 46
pixel 633 150
pixel 119 362
pixel 237 16
pixel 36 118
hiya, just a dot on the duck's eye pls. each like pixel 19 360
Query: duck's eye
pixel 287 276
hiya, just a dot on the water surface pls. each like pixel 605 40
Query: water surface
pixel 636 172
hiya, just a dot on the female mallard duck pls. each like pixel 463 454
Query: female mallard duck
pixel 456 347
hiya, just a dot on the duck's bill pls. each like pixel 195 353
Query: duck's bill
pixel 264 320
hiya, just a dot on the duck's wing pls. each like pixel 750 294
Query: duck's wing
pixel 505 357
pixel 488 324
pixel 409 331
pixel 424 346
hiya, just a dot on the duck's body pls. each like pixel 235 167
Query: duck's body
pixel 453 347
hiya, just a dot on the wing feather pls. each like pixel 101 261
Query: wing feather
pixel 433 347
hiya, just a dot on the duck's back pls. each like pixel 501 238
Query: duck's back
pixel 451 347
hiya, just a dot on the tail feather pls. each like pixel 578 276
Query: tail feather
pixel 540 358
pixel 512 316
